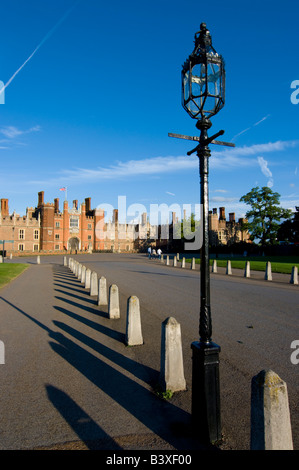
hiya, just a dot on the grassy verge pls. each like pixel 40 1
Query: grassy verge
pixel 279 264
pixel 9 271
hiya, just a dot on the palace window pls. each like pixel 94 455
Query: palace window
pixel 21 247
pixel 56 236
pixel 21 234
pixel 36 234
pixel 74 222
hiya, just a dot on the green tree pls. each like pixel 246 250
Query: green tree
pixel 265 216
pixel 289 230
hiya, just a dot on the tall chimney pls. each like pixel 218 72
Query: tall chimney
pixel 41 198
pixel 4 207
pixel 222 213
pixel 56 205
pixel 232 217
pixel 87 204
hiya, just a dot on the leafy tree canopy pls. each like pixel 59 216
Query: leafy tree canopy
pixel 265 216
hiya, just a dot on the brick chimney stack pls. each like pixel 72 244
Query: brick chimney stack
pixel 4 208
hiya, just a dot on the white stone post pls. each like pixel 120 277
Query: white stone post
pixel 87 278
pixel 167 260
pixel 214 266
pixel 178 256
pixel 172 367
pixel 83 274
pixel 94 283
pixel 268 273
pixel 247 269
pixel 228 267
pixel 174 261
pixel 294 275
pixel 113 305
pixel 270 414
pixel 133 326
pixel 64 261
pixel 38 259
pixel 193 263
pixel 183 262
pixel 102 294
pixel 79 271
pixel 1 259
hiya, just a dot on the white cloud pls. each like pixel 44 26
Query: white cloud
pixel 12 132
pixel 265 170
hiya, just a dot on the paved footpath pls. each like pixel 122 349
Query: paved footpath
pixel 69 381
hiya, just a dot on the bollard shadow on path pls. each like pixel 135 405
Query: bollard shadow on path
pixel 88 431
pixel 94 311
pixel 162 418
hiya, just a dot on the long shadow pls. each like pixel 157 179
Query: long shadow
pixel 94 437
pixel 145 373
pixel 94 311
pixel 82 290
pixel 79 297
pixel 164 419
pixel 96 326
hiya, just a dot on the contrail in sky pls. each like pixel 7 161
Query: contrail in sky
pixel 48 35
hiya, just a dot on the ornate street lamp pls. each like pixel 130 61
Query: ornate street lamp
pixel 203 95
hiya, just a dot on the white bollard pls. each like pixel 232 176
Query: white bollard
pixel 167 260
pixel 183 263
pixel 228 268
pixel 83 274
pixel 94 284
pixel 174 261
pixel 1 259
pixel 193 263
pixel 247 269
pixel 133 326
pixel 270 414
pixel 294 275
pixel 268 273
pixel 38 259
pixel 87 278
pixel 79 272
pixel 102 291
pixel 214 266
pixel 64 261
pixel 172 367
pixel 178 256
pixel 113 305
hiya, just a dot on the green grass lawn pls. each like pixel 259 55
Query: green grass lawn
pixel 10 271
pixel 279 264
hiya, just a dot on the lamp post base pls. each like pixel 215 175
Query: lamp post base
pixel 206 391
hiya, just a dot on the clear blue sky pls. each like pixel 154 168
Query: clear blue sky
pixel 93 88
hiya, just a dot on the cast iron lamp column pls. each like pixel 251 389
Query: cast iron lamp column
pixel 203 90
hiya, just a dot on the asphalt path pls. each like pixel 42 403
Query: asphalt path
pixel 56 338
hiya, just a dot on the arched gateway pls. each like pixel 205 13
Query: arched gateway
pixel 74 244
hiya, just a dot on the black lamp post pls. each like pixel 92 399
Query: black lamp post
pixel 203 91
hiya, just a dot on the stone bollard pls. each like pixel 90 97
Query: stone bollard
pixel 113 305
pixel 294 275
pixel 268 273
pixel 94 283
pixel 10 256
pixel 38 259
pixel 133 325
pixel 270 414
pixel 83 274
pixel 247 269
pixel 87 278
pixel 64 261
pixel 167 260
pixel 1 259
pixel 102 291
pixel 193 263
pixel 174 261
pixel 228 268
pixel 178 256
pixel 183 263
pixel 70 262
pixel 172 367
pixel 214 266
pixel 162 258
pixel 79 272
pixel 76 268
